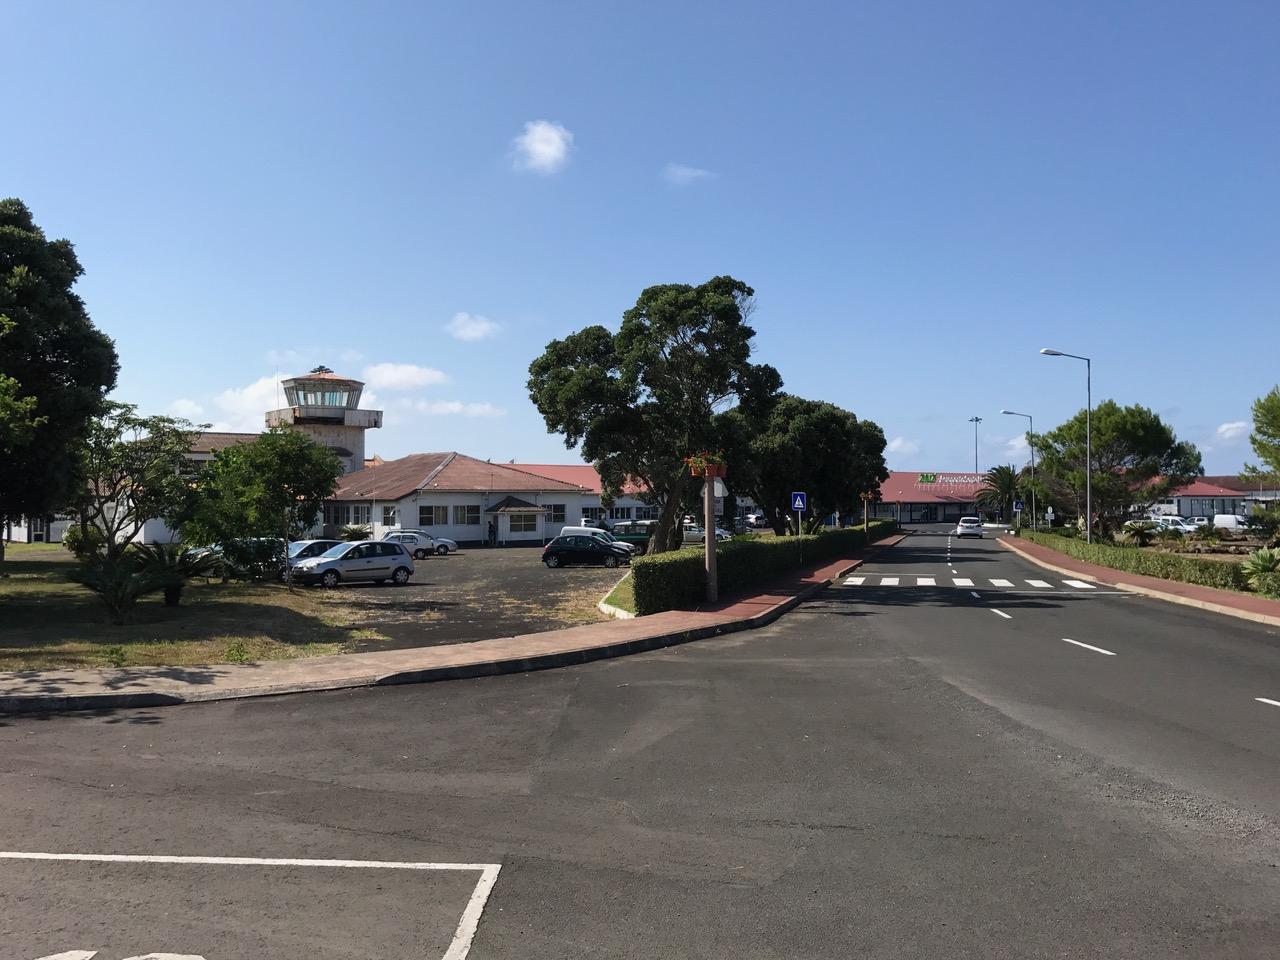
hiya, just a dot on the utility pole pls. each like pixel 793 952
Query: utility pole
pixel 709 535
pixel 975 421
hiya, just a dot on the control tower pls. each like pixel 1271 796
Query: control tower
pixel 324 406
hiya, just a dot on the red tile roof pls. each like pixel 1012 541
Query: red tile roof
pixel 208 442
pixel 580 474
pixel 453 472
pixel 908 486
pixel 1205 487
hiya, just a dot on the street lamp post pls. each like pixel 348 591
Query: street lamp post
pixel 1088 435
pixel 975 421
pixel 1031 429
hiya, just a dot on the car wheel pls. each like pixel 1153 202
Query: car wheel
pixel 553 561
pixel 330 578
pixel 442 550
pixel 401 576
pixel 611 561
pixel 420 554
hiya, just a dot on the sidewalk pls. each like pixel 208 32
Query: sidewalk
pixel 1246 606
pixel 56 690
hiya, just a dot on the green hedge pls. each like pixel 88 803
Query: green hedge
pixel 1167 566
pixel 677 581
pixel 1269 584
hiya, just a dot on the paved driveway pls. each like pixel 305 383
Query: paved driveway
pixel 478 594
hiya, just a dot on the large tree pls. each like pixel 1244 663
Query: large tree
pixel 1001 485
pixel 1137 460
pixel 273 486
pixel 807 445
pixel 638 401
pixel 1265 438
pixel 135 470
pixel 55 368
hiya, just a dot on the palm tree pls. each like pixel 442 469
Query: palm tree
pixel 999 489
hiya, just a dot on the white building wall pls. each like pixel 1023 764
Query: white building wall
pixel 408 515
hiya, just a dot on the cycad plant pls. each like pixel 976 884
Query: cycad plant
pixel 353 533
pixel 171 565
pixel 1264 560
pixel 118 583
pixel 1139 533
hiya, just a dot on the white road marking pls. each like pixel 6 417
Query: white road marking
pixel 459 947
pixel 925 582
pixel 1088 647
pixel 1274 703
pixel 888 581
pixel 1041 583
pixel 975 593
pixel 1079 584
pixel 1002 583
pixel 963 581
pixel 854 581
pixel 73 955
pixel 1001 613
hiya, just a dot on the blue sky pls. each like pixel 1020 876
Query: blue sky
pixel 922 195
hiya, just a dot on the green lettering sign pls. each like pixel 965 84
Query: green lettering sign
pixel 928 478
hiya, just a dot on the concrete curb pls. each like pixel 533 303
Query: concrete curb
pixel 609 610
pixel 1263 618
pixel 35 703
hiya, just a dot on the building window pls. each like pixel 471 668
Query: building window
pixel 388 516
pixel 360 513
pixel 619 513
pixel 590 513
pixel 555 513
pixel 646 513
pixel 433 516
pixel 524 523
pixel 467 515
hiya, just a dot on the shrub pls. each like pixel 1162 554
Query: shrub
pixel 1167 566
pixel 260 558
pixel 172 565
pixel 84 543
pixel 1258 564
pixel 1138 533
pixel 1269 584
pixel 354 533
pixel 118 583
pixel 677 580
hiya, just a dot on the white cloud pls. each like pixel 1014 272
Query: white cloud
pixel 468 326
pixel 243 409
pixel 453 408
pixel 1016 446
pixel 189 409
pixel 402 376
pixel 1233 429
pixel 681 175
pixel 903 445
pixel 543 147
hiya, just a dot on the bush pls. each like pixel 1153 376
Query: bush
pixel 119 584
pixel 86 543
pixel 677 580
pixel 1166 566
pixel 172 565
pixel 1269 585
pixel 1259 564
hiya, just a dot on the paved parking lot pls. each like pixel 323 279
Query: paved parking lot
pixel 478 594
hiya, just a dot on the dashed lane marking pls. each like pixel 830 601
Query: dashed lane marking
pixel 1001 613
pixel 1088 646
pixel 1274 703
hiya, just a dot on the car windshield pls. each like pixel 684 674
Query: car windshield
pixel 333 553
pixel 295 547
pixel 969 521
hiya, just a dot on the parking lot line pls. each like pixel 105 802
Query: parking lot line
pixel 459 946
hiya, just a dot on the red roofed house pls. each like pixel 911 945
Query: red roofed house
pixel 913 497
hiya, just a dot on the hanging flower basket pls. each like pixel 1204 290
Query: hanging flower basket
pixel 706 464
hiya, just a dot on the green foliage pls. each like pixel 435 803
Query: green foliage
pixel 1000 487
pixel 253 558
pixel 354 533
pixel 1269 584
pixel 133 469
pixel 273 486
pixel 640 400
pixel 1167 566
pixel 84 542
pixel 1139 533
pixel 1265 438
pixel 1137 459
pixel 172 565
pixel 1258 564
pixel 55 367
pixel 809 445
pixel 677 580
pixel 118 582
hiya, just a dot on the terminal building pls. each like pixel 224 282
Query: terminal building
pixel 911 497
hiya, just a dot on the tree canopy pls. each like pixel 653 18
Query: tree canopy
pixel 1137 459
pixel 1001 486
pixel 273 486
pixel 1265 438
pixel 805 445
pixel 638 401
pixel 56 367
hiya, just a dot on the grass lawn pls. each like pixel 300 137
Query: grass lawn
pixel 48 622
pixel 623 596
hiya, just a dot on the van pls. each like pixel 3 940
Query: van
pixel 1230 521
pixel 596 532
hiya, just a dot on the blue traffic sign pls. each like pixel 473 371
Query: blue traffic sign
pixel 1017 506
pixel 800 501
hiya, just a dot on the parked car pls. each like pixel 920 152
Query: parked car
pixel 301 550
pixel 635 533
pixel 1198 522
pixel 1176 524
pixel 1230 521
pixel 695 534
pixel 599 534
pixel 580 548
pixel 376 560
pixel 425 541
pixel 969 527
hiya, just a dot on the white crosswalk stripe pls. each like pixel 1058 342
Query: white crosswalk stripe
pixel 917 580
pixel 926 582
pixel 963 582
pixel 1002 583
pixel 1042 584
pixel 888 581
pixel 854 581
pixel 1079 584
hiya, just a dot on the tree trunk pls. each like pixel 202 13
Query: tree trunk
pixel 173 594
pixel 3 522
pixel 661 540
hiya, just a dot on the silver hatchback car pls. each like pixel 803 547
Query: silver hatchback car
pixel 376 560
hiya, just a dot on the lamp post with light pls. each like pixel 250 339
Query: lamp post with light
pixel 1031 429
pixel 1088 435
pixel 975 421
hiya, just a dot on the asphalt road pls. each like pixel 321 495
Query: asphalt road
pixel 890 771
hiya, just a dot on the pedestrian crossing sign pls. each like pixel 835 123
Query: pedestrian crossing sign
pixel 799 501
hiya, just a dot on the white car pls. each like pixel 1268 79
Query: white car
pixel 1176 524
pixel 969 527
pixel 695 534
pixel 420 543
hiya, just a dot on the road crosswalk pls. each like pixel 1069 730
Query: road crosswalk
pixel 932 580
